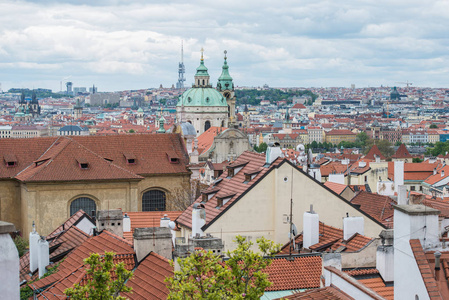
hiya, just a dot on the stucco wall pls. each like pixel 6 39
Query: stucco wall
pixel 10 202
pixel 263 210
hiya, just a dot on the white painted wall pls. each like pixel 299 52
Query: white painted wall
pixel 34 251
pixel 9 268
pixel 345 286
pixel 86 225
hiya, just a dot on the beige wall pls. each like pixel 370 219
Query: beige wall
pixel 10 202
pixel 261 211
pixel 379 169
pixel 48 204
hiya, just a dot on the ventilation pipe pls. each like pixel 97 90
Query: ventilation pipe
pixel 44 256
pixel 34 255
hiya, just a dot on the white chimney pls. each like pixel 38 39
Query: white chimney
pixel 385 262
pixel 345 161
pixel 398 174
pixel 402 195
pixel 164 221
pixel 198 219
pixel 34 238
pixel 377 158
pixel 442 173
pixel 311 226
pixel 352 225
pixel 434 171
pixel 362 164
pixel 44 256
pixel 9 263
pixel 337 178
pixel 126 223
pixel 272 154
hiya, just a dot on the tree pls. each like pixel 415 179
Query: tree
pixel 100 285
pixel 185 194
pixel 385 148
pixel 203 275
pixel 433 126
pixel 361 139
pixel 131 131
pixel 262 148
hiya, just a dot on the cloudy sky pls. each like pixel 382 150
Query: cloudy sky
pixel 126 44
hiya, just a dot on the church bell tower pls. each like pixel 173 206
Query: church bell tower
pixel 226 87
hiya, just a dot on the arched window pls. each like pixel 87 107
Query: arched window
pixel 206 125
pixel 203 81
pixel 153 200
pixel 86 204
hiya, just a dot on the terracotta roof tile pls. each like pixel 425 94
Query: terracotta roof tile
pixel 378 285
pixel 377 206
pixel 336 187
pixel 326 293
pixel 105 241
pixel 424 268
pixel 361 271
pixel 402 152
pixel 144 219
pixel 229 186
pixel 374 150
pixel 148 281
pixel 300 273
pixel 331 239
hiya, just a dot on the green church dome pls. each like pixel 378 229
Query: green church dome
pixel 198 96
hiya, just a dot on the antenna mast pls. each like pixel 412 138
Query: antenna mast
pixel 181 69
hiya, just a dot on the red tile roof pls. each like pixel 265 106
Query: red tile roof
pixel 229 186
pixel 333 167
pixel 59 158
pixel 331 239
pixel 377 206
pixel 336 187
pixel 433 179
pixel 144 219
pixel 62 240
pixel 424 268
pixel 326 293
pixel 299 273
pixel 340 132
pixel 206 139
pixel 374 150
pixel 148 281
pixel 402 152
pixel 105 241
pixel 378 285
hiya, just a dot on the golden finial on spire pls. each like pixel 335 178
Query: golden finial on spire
pixel 202 50
pixel 225 52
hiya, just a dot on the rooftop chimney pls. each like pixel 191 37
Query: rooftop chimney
pixel 352 225
pixel 34 238
pixel 126 223
pixel 44 256
pixel 9 263
pixel 337 178
pixel 402 195
pixel 398 174
pixel 434 171
pixel 442 173
pixel 111 220
pixel 198 219
pixel 164 221
pixel 273 152
pixel 311 226
pixel 157 239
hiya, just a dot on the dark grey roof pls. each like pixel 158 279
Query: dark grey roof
pixel 72 128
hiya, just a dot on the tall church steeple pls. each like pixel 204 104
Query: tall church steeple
pixel 226 87
pixel 202 76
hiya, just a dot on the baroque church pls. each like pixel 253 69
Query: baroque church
pixel 27 109
pixel 203 108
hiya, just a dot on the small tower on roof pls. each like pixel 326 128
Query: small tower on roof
pixel 78 110
pixel 287 126
pixel 226 87
pixel 202 76
pixel 161 124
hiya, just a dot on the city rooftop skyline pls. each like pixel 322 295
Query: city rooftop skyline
pixel 122 45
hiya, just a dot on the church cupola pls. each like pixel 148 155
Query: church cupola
pixel 225 80
pixel 202 76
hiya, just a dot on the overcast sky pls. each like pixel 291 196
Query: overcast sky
pixel 120 45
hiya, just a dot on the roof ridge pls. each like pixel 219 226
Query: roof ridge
pixel 106 161
pixel 69 140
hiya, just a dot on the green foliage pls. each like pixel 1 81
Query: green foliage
pixel 111 105
pixel 131 131
pixel 253 96
pixel 202 275
pixel 433 126
pixel 25 293
pixel 100 285
pixel 163 101
pixel 39 93
pixel 417 160
pixel 439 148
pixel 262 148
pixel 21 244
pixel 398 143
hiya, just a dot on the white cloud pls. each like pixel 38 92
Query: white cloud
pixel 133 44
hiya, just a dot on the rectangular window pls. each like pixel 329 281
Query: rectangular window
pixel 412 188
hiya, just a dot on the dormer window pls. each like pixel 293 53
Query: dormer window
pixel 130 158
pixel 234 169
pixel 10 160
pixel 83 163
pixel 173 157
pixel 223 200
